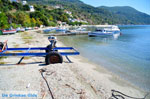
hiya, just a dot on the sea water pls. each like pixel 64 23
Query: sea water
pixel 127 56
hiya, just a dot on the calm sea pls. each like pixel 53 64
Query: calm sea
pixel 128 56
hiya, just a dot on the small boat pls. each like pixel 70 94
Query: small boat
pixel 80 29
pixel 111 31
pixel 36 27
pixel 20 29
pixel 112 28
pixel 61 30
pixel 9 31
pixel 28 28
pixel 49 30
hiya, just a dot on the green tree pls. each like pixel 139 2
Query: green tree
pixel 3 21
pixel 52 23
pixel 38 22
pixel 64 18
pixel 23 18
pixel 18 6
pixel 27 21
pixel 40 16
pixel 26 8
pixel 44 20
pixel 51 18
pixel 14 25
pixel 1 3
pixel 11 17
pixel 33 22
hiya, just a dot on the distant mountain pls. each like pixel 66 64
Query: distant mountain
pixel 99 15
pixel 129 13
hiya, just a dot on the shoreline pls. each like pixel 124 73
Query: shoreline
pixel 98 64
pixel 100 69
pixel 66 79
pixel 105 80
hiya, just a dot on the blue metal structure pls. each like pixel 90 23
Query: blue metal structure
pixel 9 51
pixel 4 52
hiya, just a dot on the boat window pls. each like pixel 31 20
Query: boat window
pixel 99 30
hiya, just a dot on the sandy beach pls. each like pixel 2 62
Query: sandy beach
pixel 78 80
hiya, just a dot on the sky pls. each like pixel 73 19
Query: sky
pixel 140 5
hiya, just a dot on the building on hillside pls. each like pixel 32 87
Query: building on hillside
pixel 77 20
pixel 31 8
pixel 58 7
pixel 68 12
pixel 62 23
pixel 24 2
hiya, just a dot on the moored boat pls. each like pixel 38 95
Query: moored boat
pixel 28 28
pixel 49 30
pixel 80 29
pixel 9 31
pixel 20 29
pixel 61 29
pixel 110 31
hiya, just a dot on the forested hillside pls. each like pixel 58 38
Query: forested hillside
pixel 100 15
pixel 47 13
pixel 83 11
pixel 16 15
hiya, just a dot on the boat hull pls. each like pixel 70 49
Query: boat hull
pixel 94 34
pixel 60 30
pixel 9 31
pixel 48 30
pixel 20 30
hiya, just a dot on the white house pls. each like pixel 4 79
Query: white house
pixel 77 20
pixel 31 8
pixel 24 2
pixel 68 12
pixel 58 7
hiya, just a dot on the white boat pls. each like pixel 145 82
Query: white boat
pixel 28 28
pixel 49 30
pixel 80 29
pixel 61 29
pixel 20 29
pixel 109 31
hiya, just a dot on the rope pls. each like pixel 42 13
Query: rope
pixel 122 95
pixel 41 71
